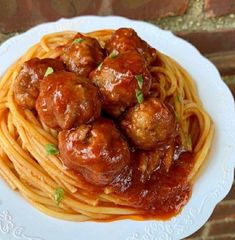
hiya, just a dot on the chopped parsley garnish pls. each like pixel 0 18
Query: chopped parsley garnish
pixel 179 98
pixel 113 54
pixel 139 96
pixel 189 142
pixel 59 195
pixel 140 80
pixel 177 116
pixel 100 65
pixel 51 149
pixel 48 71
pixel 138 92
pixel 77 40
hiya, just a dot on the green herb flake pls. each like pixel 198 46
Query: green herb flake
pixel 100 66
pixel 77 40
pixel 177 116
pixel 48 71
pixel 139 96
pixel 189 142
pixel 179 98
pixel 113 54
pixel 140 80
pixel 51 149
pixel 59 195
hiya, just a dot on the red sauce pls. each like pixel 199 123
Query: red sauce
pixel 163 196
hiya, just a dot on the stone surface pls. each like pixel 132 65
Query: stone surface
pixel 195 20
pixel 149 9
pixel 215 8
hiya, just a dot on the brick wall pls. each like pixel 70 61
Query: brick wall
pixel 18 15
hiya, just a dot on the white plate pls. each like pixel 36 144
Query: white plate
pixel 18 220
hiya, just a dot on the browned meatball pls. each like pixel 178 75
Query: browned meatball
pixel 82 55
pixel 149 124
pixel 125 39
pixel 117 81
pixel 149 161
pixel 66 100
pixel 152 160
pixel 26 86
pixel 96 150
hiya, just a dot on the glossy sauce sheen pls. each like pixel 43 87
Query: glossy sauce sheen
pixel 163 196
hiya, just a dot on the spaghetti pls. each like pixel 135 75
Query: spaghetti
pixel 27 169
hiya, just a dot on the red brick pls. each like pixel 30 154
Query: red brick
pixel 218 46
pixel 215 8
pixel 149 9
pixel 13 15
pixel 211 42
pixel 224 210
pixel 231 195
pixel 52 10
pixel 224 61
pixel 8 8
pixel 216 229
pixel 225 237
pixel 18 15
pixel 232 89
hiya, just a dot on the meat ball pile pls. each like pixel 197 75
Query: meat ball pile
pixel 70 95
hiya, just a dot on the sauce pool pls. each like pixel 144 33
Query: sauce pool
pixel 163 195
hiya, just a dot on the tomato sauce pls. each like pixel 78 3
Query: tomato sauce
pixel 163 195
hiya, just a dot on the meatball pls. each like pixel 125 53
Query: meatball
pixel 117 80
pixel 152 160
pixel 66 100
pixel 125 39
pixel 96 150
pixel 82 55
pixel 26 86
pixel 149 124
pixel 149 161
